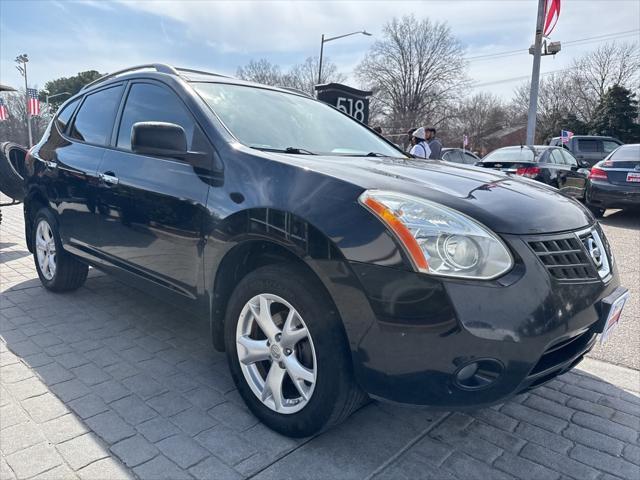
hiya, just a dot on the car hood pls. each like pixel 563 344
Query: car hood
pixel 504 203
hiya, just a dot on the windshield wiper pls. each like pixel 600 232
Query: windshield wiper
pixel 298 151
pixel 375 154
pixel 294 150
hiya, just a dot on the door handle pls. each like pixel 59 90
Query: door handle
pixel 108 177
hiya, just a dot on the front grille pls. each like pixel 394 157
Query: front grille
pixel 565 258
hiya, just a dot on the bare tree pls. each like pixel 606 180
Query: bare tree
pixel 261 71
pixel 476 116
pixel 556 101
pixel 417 70
pixel 303 76
pixel 594 73
pixel 14 128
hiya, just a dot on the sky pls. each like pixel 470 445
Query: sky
pixel 64 37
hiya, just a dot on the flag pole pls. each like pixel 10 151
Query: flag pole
pixel 535 76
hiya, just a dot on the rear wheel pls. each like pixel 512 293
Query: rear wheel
pixel 287 352
pixel 58 270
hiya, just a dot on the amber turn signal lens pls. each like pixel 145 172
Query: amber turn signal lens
pixel 403 234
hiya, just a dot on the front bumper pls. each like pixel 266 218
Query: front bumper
pixel 526 324
pixel 607 195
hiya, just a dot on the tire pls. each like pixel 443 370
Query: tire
pixel 333 395
pixel 68 273
pixel 12 158
pixel 596 211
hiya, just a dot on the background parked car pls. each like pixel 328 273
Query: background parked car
pixel 458 155
pixel 590 148
pixel 554 166
pixel 615 181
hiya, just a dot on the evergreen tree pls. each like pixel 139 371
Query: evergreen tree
pixel 617 115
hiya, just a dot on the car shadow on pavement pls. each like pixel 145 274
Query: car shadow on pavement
pixel 13 255
pixel 628 219
pixel 107 381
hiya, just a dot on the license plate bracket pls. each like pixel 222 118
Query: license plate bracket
pixel 611 309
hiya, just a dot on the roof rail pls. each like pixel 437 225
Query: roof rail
pixel 295 90
pixel 159 67
pixel 190 70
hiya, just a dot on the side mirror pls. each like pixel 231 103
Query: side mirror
pixel 583 163
pixel 159 138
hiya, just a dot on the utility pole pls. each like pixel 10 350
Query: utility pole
pixel 22 68
pixel 535 76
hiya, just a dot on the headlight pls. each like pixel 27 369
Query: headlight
pixel 440 240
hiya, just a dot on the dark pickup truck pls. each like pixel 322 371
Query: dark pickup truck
pixel 590 148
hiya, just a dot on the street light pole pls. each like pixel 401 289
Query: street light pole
pixel 320 66
pixel 325 40
pixel 23 59
pixel 535 76
pixel 48 97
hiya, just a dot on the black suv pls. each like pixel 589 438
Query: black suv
pixel 331 266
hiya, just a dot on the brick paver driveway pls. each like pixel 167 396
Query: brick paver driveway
pixel 110 383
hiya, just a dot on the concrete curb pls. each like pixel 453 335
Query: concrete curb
pixel 622 377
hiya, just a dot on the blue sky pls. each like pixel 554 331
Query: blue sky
pixel 64 37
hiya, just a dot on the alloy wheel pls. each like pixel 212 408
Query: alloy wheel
pixel 46 249
pixel 276 353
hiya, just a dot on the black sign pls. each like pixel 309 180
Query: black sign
pixel 350 100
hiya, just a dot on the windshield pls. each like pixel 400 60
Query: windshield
pixel 272 120
pixel 510 155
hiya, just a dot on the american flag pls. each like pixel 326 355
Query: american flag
pixel 4 113
pixel 566 135
pixel 551 16
pixel 33 107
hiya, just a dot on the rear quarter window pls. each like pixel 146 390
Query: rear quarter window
pixel 62 120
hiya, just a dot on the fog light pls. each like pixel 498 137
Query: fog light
pixel 478 375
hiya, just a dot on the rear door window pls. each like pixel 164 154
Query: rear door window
pixel 62 120
pixel 556 157
pixel 569 159
pixel 469 159
pixel 453 156
pixel 147 102
pixel 94 121
pixel 589 145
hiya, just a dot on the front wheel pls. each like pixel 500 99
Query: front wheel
pixel 597 211
pixel 287 352
pixel 58 270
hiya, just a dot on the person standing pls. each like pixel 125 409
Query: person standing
pixel 434 144
pixel 420 147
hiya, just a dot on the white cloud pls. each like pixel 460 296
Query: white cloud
pixel 271 28
pixel 222 35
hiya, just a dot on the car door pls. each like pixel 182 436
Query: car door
pixel 75 160
pixel 557 168
pixel 155 206
pixel 576 177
